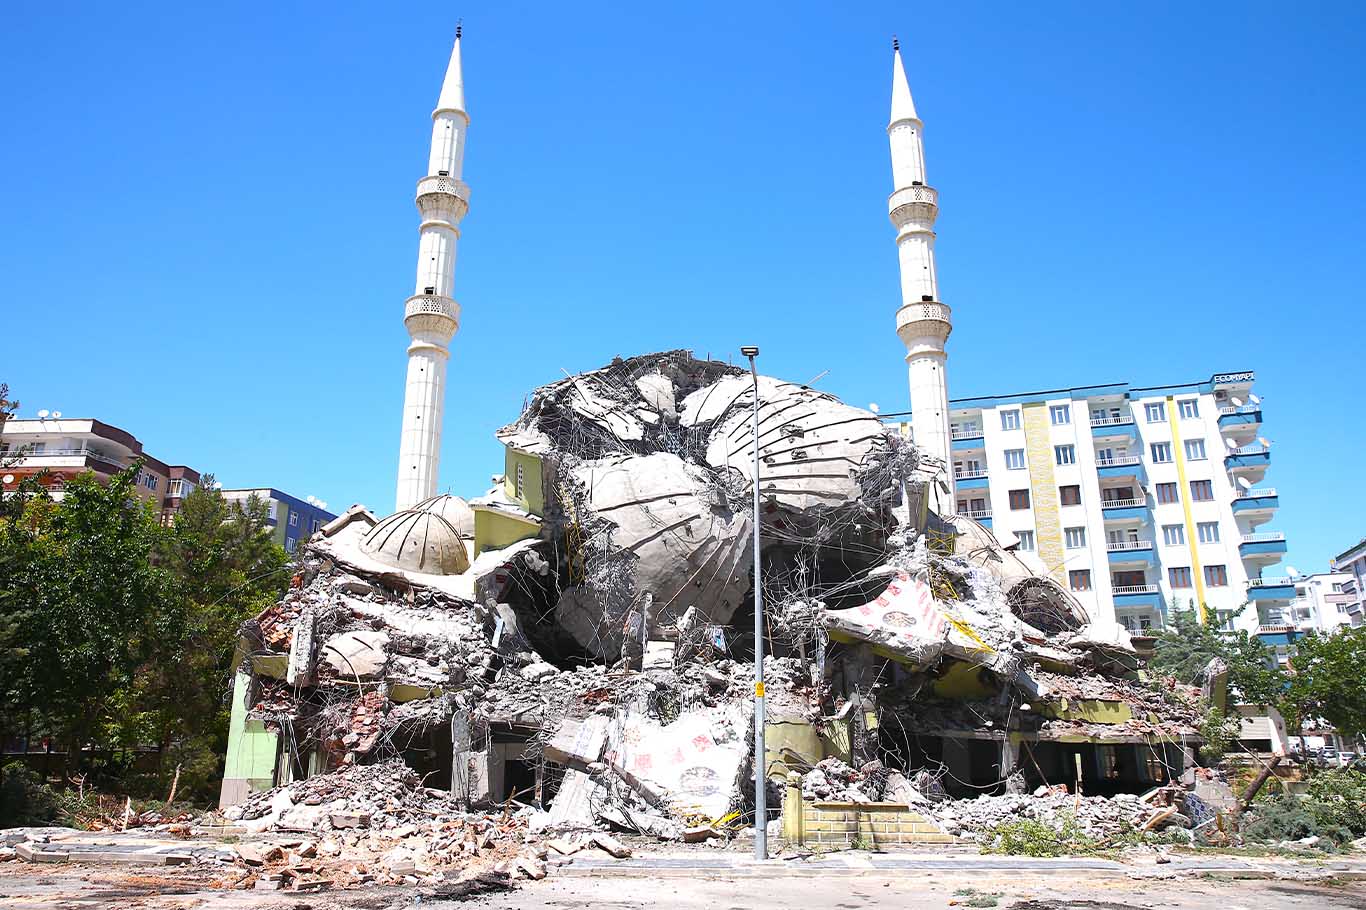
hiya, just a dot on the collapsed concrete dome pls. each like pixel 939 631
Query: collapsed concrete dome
pixel 426 538
pixel 653 461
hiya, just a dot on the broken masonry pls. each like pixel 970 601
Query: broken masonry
pixel 579 639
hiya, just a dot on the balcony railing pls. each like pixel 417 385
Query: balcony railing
pixel 1112 421
pixel 1118 460
pixel 1249 450
pixel 1275 629
pixel 1122 503
pixel 1115 546
pixel 965 432
pixel 1134 589
pixel 969 475
pixel 1264 537
pixel 978 513
pixel 1242 409
pixel 1259 493
pixel 1270 582
pixel 73 453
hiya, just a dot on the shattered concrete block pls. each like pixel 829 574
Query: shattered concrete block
pixel 362 654
pixel 578 742
pixel 659 655
pixel 350 819
pixel 258 854
pixel 573 803
pixel 610 845
pixel 532 869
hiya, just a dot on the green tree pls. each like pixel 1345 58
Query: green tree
pixel 1326 680
pixel 1186 647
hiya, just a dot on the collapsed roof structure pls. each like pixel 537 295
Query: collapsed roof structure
pixel 578 639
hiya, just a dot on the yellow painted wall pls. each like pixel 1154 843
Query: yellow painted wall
pixel 532 496
pixel 1179 453
pixel 1043 489
pixel 494 529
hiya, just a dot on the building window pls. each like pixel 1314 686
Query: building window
pixel 1026 540
pixel 520 483
pixel 290 544
pixel 293 519
pixel 1195 450
pixel 1166 493
pixel 1162 452
pixel 1015 459
pixel 313 526
pixel 1188 409
pixel 1173 535
pixel 1207 531
pixel 1201 490
pixel 1155 412
pixel 1010 420
pixel 1074 538
pixel 1070 495
pixel 1216 576
pixel 1019 499
pixel 1079 579
pixel 1060 414
pixel 176 489
pixel 1224 620
pixel 1065 454
pixel 1179 576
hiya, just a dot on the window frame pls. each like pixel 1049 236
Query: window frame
pixel 1151 408
pixel 1014 419
pixel 1079 536
pixel 1059 415
pixel 1014 496
pixel 1065 454
pixel 1024 462
pixel 1062 499
pixel 1160 445
pixel 1175 493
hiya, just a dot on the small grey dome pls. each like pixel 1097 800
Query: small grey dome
pixel 425 538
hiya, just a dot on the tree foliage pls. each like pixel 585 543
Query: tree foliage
pixel 1186 647
pixel 1327 680
pixel 116 632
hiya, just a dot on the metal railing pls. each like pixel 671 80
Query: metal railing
pixel 1261 493
pixel 977 513
pixel 1134 589
pixel 1249 450
pixel 1274 629
pixel 969 475
pixel 1241 409
pixel 1274 582
pixel 1118 460
pixel 1264 537
pixel 965 432
pixel 73 453
pixel 1122 503
pixel 1112 421
pixel 1119 545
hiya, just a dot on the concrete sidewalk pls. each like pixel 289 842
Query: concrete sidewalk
pixel 856 863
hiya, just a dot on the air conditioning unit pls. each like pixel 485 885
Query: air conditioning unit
pixel 429 290
pixel 443 173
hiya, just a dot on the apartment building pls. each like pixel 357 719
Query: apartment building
pixel 1352 563
pixel 59 448
pixel 291 519
pixel 1132 496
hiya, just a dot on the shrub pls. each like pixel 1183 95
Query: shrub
pixel 24 798
pixel 1334 808
pixel 1027 837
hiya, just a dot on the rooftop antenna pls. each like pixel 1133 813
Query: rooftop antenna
pixel 42 415
pixel 459 23
pixel 1294 572
pixel 56 414
pixel 872 406
pixel 817 378
pixel 1254 398
pixel 896 45
pixel 1237 402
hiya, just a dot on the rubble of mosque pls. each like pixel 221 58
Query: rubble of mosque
pixel 574 649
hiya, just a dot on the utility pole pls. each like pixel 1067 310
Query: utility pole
pixel 760 770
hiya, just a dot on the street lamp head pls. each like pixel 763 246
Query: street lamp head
pixel 749 350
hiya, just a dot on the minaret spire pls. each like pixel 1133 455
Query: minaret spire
pixel 922 322
pixel 431 315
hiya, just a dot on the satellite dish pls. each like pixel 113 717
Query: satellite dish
pixel 1244 483
pixel 872 406
pixel 218 485
pixel 42 415
pixel 8 478
pixel 1264 441
pixel 1230 443
pixel 1254 398
pixel 1238 402
pixel 56 414
pixel 1294 572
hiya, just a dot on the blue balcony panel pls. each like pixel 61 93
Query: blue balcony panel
pixel 973 442
pixel 1120 470
pixel 971 483
pixel 1113 430
pixel 1250 418
pixel 1256 504
pixel 1121 557
pixel 1250 460
pixel 1271 592
pixel 1121 513
pixel 1153 601
pixel 1273 547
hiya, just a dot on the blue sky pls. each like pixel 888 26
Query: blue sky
pixel 209 229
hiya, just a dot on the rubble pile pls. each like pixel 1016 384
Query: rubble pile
pixel 573 651
pixel 1095 816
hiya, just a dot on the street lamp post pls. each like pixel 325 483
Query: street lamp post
pixel 760 771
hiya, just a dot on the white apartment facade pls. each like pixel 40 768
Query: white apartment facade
pixel 1131 496
pixel 1352 563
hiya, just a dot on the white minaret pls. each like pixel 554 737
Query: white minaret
pixel 431 315
pixel 922 322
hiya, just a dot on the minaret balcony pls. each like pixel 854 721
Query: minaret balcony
pixel 432 313
pixel 444 185
pixel 916 322
pixel 913 205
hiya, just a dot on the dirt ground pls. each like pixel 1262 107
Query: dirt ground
pixel 27 887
